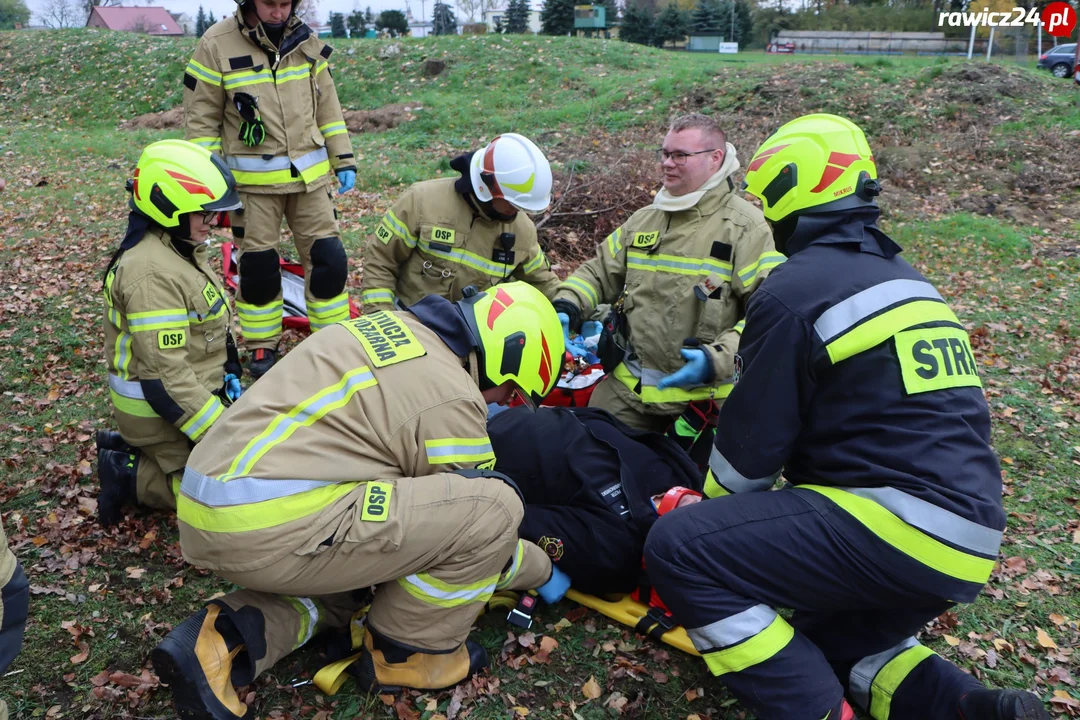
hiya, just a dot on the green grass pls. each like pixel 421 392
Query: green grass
pixel 1013 285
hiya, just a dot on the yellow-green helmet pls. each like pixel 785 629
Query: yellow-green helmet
pixel 518 338
pixel 174 177
pixel 817 161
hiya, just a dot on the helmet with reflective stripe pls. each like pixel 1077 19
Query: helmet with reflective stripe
pixel 174 177
pixel 518 338
pixel 820 162
pixel 511 167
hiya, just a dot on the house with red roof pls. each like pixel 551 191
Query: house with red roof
pixel 150 20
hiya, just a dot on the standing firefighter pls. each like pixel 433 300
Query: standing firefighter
pixel 444 235
pixel 258 90
pixel 681 270
pixel 172 363
pixel 364 462
pixel 856 379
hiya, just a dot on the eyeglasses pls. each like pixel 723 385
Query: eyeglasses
pixel 208 218
pixel 677 157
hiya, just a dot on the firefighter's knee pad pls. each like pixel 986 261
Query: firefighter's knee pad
pixel 329 268
pixel 475 473
pixel 260 276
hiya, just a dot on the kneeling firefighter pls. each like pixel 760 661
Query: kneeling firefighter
pixel 172 364
pixel 857 380
pixel 365 463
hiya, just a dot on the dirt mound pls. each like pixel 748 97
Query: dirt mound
pixel 982 83
pixel 380 120
pixel 167 120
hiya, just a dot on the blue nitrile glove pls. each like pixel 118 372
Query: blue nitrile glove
pixel 590 333
pixel 232 387
pixel 347 178
pixel 575 346
pixel 694 373
pixel 554 589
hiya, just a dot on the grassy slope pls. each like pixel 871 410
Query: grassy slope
pixel 64 93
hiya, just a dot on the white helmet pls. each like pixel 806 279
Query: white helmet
pixel 511 167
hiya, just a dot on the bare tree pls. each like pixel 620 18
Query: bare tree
pixel 89 5
pixel 140 25
pixel 472 7
pixel 308 11
pixel 61 14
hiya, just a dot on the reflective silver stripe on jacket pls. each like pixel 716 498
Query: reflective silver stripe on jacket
pixel 257 164
pixel 732 630
pixel 861 305
pixel 732 479
pixel 864 672
pixel 311 159
pixel 934 520
pixel 242 490
pixel 126 388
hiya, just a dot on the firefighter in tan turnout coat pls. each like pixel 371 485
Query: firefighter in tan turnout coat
pixel 259 92
pixel 172 364
pixel 444 235
pixel 364 464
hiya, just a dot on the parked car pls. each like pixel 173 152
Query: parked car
pixel 1059 60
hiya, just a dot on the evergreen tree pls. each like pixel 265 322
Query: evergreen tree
pixel 394 21
pixel 672 24
pixel 210 21
pixel 517 16
pixel 369 18
pixel 337 25
pixel 637 25
pixel 557 17
pixel 499 27
pixel 443 21
pixel 706 18
pixel 355 23
pixel 200 22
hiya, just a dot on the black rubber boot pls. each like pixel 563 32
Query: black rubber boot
pixel 1001 705
pixel 196 661
pixel 387 666
pixel 110 440
pixel 116 473
pixel 261 362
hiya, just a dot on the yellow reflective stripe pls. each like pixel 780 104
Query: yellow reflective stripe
pixel 877 330
pixel 201 421
pixel 247 77
pixel 466 258
pixel 157 320
pixel 308 611
pixel 261 515
pixel 331 129
pixel 399 228
pixel 740 326
pixel 210 143
pixel 767 259
pixel 653 394
pixel 888 680
pixel 614 242
pixel 305 414
pixel 907 539
pixel 515 567
pixel 203 73
pixel 274 177
pixel 753 651
pixel 327 312
pixel 258 322
pixel 377 295
pixel 712 488
pixel 582 286
pixel 431 590
pixel 444 451
pixel 639 260
pixel 295 72
pixel 316 171
pixel 131 406
pixel 323 65
pixel 122 359
pixel 535 264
